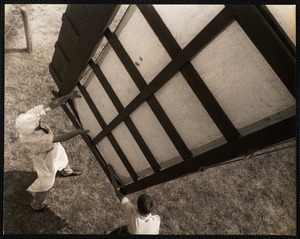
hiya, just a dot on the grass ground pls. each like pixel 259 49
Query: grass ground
pixel 255 196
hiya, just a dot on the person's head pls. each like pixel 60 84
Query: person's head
pixel 27 123
pixel 145 204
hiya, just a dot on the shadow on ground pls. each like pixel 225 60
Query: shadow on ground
pixel 18 217
pixel 15 50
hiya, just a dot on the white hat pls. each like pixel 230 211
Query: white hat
pixel 27 123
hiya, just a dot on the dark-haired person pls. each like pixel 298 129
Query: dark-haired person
pixel 49 156
pixel 140 220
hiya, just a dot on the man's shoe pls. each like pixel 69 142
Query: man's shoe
pixel 74 173
pixel 42 209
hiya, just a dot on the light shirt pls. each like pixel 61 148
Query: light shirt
pixel 48 157
pixel 139 224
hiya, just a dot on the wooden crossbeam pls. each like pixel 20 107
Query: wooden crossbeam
pixel 130 125
pixel 188 71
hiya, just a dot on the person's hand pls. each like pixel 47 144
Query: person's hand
pixel 82 131
pixel 74 94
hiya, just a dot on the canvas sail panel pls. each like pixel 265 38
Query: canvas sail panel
pixel 101 100
pixel 118 77
pixel 87 118
pixel 240 79
pixel 142 45
pixel 187 114
pixel 235 72
pixel 111 157
pixel 285 15
pixel 132 150
pixel 154 135
pixel 186 21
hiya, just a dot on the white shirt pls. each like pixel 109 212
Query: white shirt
pixel 139 224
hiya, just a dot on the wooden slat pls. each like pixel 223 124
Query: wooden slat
pixel 58 48
pixel 110 137
pixel 152 101
pixel 82 28
pixel 267 42
pixel 211 31
pixel 277 28
pixel 273 134
pixel 132 128
pixel 190 74
pixel 86 138
pixel 72 106
pixel 60 66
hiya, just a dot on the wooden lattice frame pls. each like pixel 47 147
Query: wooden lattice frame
pixel 67 68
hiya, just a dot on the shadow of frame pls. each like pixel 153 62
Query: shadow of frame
pixel 15 50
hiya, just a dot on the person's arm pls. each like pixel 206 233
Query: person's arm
pixel 114 182
pixel 61 100
pixel 69 135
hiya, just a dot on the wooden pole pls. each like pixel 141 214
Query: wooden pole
pixel 27 30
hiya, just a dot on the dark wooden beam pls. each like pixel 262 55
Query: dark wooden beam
pixel 277 28
pixel 55 76
pixel 188 71
pixel 266 137
pixel 82 28
pixel 151 100
pixel 267 41
pixel 86 138
pixel 212 30
pixel 110 137
pixel 130 125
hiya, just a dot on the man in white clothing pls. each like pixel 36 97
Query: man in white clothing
pixel 49 156
pixel 140 219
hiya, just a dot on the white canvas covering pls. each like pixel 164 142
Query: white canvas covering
pixel 246 87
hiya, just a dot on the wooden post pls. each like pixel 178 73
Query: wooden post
pixel 27 30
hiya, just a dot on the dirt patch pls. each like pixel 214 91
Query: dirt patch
pixel 255 196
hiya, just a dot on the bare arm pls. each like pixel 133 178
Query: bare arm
pixel 61 100
pixel 114 182
pixel 69 135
